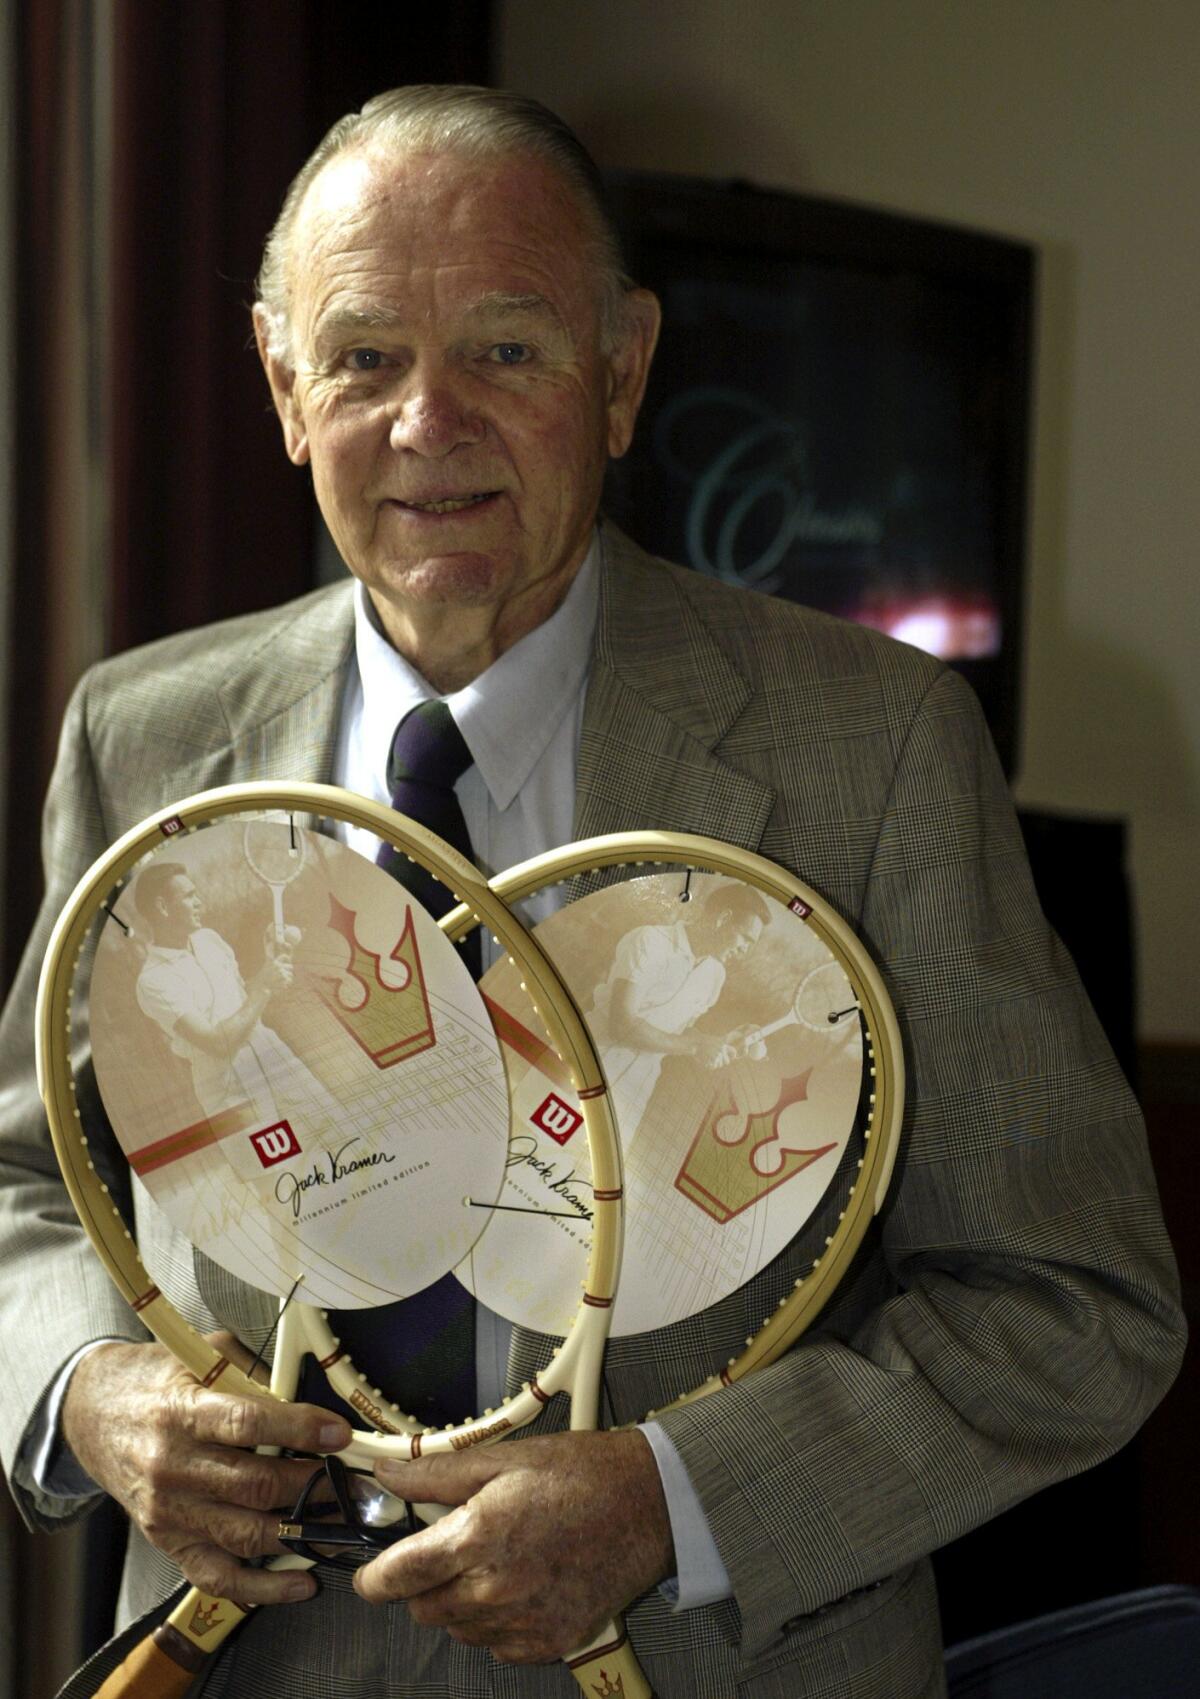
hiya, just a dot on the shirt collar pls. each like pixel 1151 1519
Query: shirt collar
pixel 509 714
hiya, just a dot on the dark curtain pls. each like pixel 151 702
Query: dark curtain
pixel 215 104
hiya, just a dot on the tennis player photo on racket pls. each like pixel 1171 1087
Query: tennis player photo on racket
pixel 734 1117
pixel 190 984
pixel 261 1063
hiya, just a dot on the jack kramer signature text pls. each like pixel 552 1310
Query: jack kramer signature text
pixel 290 1188
pixel 522 1153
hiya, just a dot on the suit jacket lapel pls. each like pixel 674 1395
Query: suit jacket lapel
pixel 661 696
pixel 277 705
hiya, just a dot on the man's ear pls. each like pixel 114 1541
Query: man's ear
pixel 282 379
pixel 629 366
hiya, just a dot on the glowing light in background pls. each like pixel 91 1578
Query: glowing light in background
pixel 952 627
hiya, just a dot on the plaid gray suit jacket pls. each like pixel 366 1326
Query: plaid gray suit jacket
pixel 1012 1319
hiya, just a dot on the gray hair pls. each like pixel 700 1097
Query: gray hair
pixel 477 123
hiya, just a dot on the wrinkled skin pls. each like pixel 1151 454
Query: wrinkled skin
pixel 179 1458
pixel 550 1537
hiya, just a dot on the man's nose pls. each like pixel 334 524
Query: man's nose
pixel 433 416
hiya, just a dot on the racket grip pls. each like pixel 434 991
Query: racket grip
pixel 165 1664
pixel 609 1667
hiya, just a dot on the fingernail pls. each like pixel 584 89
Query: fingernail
pixel 334 1435
pixel 303 1587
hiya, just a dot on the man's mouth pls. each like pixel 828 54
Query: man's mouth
pixel 451 504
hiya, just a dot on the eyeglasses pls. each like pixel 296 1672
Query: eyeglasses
pixel 314 1532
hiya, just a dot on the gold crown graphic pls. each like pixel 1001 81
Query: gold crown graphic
pixel 205 1618
pixel 609 1690
pixel 390 1022
pixel 723 1175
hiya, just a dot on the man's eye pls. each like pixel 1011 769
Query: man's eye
pixel 365 360
pixel 510 353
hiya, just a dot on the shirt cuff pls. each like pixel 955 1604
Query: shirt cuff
pixel 701 1577
pixel 48 1460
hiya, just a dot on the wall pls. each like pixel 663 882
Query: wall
pixel 1071 124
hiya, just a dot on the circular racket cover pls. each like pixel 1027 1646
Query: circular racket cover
pixel 310 1094
pixel 734 1114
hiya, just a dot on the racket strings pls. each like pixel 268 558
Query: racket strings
pixel 269 1337
pixel 277 853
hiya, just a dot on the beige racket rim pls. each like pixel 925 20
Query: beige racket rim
pixel 884 1054
pixel 578 1359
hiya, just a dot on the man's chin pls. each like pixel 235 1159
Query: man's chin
pixel 468 579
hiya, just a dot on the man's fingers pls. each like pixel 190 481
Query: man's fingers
pixel 517 1568
pixel 215 1572
pixel 217 1418
pixel 181 1459
pixel 417 1565
pixel 438 1480
pixel 261 1484
pixel 238 1533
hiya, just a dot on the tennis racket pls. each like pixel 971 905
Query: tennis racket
pixel 815 1006
pixel 278 861
pixel 167 1664
pixel 199 1623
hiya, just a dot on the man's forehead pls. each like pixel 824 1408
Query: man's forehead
pixel 339 187
pixel 382 192
pixel 381 239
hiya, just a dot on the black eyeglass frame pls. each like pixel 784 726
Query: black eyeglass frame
pixel 356 1541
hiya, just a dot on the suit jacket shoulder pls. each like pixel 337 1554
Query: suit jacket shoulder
pixel 717 710
pixel 257 687
pixel 194 692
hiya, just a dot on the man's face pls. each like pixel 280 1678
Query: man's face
pixel 450 390
pixel 180 905
pixel 736 938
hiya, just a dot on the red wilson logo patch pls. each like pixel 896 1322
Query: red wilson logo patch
pixel 275 1144
pixel 557 1119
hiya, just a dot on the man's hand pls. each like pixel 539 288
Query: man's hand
pixel 276 974
pixel 712 1052
pixel 552 1536
pixel 180 1459
pixel 746 1041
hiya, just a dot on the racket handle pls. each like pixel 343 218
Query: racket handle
pixel 608 1668
pixel 165 1664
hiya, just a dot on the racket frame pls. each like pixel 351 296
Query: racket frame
pixel 883 1050
pixel 575 1366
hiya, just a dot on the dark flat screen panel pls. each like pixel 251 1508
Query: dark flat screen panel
pixel 837 415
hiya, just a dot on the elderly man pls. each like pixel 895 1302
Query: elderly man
pixel 452 348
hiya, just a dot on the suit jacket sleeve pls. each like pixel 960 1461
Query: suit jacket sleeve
pixel 1017 1316
pixel 54 1295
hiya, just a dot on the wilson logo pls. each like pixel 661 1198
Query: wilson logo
pixel 557 1119
pixel 275 1144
